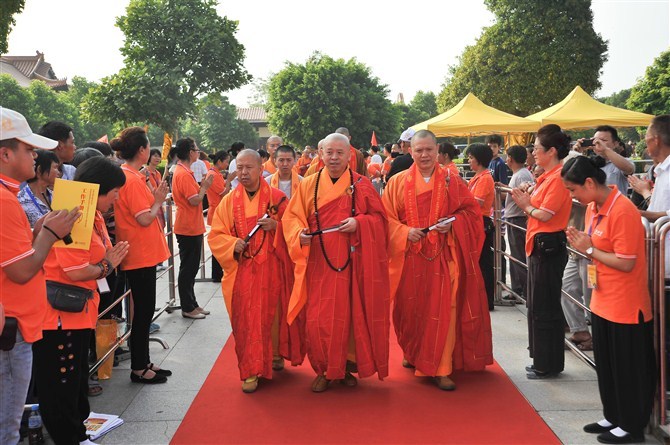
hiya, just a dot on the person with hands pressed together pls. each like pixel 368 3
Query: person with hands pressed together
pixel 548 206
pixel 61 356
pixel 621 306
pixel 218 189
pixel 189 224
pixel 438 292
pixel 246 238
pixel 336 231
pixel 137 222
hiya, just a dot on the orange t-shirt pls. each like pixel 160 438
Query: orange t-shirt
pixel 147 245
pixel 155 178
pixel 483 189
pixel 214 193
pixel 616 228
pixel 451 167
pixel 374 170
pixel 62 260
pixel 27 301
pixel 551 196
pixel 189 220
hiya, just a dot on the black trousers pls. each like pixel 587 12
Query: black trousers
pixel 486 261
pixel 61 379
pixel 190 249
pixel 545 315
pixel 626 368
pixel 517 248
pixel 217 271
pixel 142 283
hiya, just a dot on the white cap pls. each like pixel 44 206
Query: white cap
pixel 406 135
pixel 15 126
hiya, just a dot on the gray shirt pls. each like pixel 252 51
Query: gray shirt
pixel 511 209
pixel 616 176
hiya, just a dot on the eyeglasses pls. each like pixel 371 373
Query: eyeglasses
pixel 195 150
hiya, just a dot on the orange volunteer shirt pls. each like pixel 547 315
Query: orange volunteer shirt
pixel 62 260
pixel 619 296
pixel 214 193
pixel 155 178
pixel 147 245
pixel 551 196
pixel 483 189
pixel 27 302
pixel 189 220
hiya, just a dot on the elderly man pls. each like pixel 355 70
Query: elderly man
pixel 440 309
pixel 285 178
pixel 246 240
pixel 271 146
pixel 336 230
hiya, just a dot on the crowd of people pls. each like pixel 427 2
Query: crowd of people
pixel 319 253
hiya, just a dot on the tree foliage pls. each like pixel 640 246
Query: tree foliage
pixel 175 50
pixel 8 9
pixel 15 97
pixel 308 102
pixel 422 107
pixel 534 54
pixel 652 92
pixel 218 126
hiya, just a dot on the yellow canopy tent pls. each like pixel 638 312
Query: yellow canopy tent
pixel 579 110
pixel 471 116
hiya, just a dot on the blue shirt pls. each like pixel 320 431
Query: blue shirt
pixel 499 170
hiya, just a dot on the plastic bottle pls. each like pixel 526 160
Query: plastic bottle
pixel 35 436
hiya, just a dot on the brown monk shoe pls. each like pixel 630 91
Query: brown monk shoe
pixel 406 364
pixel 250 385
pixel 277 363
pixel 320 383
pixel 349 380
pixel 445 383
pixel 351 366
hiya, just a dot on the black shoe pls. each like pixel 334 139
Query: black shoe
pixel 141 379
pixel 165 372
pixel 596 428
pixel 608 437
pixel 541 375
pixel 530 368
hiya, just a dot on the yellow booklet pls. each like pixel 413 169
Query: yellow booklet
pixel 70 194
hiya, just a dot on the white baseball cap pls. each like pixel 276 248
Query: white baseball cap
pixel 406 135
pixel 15 126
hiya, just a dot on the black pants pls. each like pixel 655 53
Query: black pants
pixel 190 249
pixel 217 271
pixel 486 261
pixel 61 378
pixel 117 285
pixel 517 248
pixel 626 368
pixel 142 283
pixel 545 315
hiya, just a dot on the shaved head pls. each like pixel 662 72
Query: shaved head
pixel 253 154
pixel 333 137
pixel 344 131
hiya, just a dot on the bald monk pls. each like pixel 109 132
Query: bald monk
pixel 341 275
pixel 256 270
pixel 285 178
pixel 271 146
pixel 440 311
pixel 302 164
pixel 317 163
pixel 357 161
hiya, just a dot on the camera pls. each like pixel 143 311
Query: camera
pixel 587 143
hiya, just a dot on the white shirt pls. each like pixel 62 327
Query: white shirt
pixel 660 201
pixel 284 186
pixel 199 170
pixel 376 159
pixel 232 168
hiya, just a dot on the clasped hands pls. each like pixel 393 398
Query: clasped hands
pixel 579 240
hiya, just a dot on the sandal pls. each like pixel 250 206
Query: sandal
pixel 585 345
pixel 94 389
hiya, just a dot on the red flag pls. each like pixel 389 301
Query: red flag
pixel 103 139
pixel 373 140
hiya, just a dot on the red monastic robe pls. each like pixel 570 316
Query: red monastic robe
pixel 255 282
pixel 425 275
pixel 350 303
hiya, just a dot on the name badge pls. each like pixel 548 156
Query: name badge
pixel 103 286
pixel 592 276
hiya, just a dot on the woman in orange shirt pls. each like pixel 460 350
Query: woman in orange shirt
pixel 548 208
pixel 483 189
pixel 446 155
pixel 621 306
pixel 137 222
pixel 189 224
pixel 154 178
pixel 61 356
pixel 215 193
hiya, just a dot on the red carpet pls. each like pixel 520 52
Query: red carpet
pixel 486 408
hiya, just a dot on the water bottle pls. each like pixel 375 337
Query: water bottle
pixel 35 436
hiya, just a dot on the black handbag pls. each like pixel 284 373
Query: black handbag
pixel 8 335
pixel 66 297
pixel 551 243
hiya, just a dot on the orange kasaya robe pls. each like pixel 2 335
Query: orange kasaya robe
pixel 302 165
pixel 374 171
pixel 356 163
pixel 355 301
pixel 269 166
pixel 440 312
pixel 295 182
pixel 257 283
pixel 316 165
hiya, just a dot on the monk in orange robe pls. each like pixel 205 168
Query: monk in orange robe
pixel 336 230
pixel 257 272
pixel 305 160
pixel 286 178
pixel 440 311
pixel 271 145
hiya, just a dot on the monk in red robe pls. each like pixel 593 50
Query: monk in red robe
pixel 271 146
pixel 336 230
pixel 440 311
pixel 246 238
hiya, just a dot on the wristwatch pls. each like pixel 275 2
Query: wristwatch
pixel 589 251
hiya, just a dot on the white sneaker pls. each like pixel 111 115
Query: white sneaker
pixel 87 442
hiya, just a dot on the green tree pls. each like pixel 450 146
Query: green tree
pixel 175 51
pixel 652 92
pixel 619 100
pixel 8 9
pixel 15 97
pixel 307 102
pixel 48 105
pixel 85 129
pixel 422 107
pixel 219 127
pixel 534 54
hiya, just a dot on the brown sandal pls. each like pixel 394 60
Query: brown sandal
pixel 585 345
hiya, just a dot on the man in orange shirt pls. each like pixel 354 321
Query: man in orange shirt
pixel 246 239
pixel 22 255
pixel 271 146
pixel 439 314
pixel 336 230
